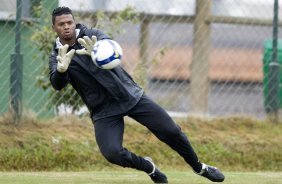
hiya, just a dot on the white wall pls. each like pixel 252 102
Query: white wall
pixel 237 8
pixel 179 7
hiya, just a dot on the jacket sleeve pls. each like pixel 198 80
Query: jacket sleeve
pixel 58 80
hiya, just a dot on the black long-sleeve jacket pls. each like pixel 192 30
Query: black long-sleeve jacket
pixel 105 92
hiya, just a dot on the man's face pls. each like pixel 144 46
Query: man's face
pixel 64 26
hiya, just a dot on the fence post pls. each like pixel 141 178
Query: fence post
pixel 274 70
pixel 200 60
pixel 143 52
pixel 16 70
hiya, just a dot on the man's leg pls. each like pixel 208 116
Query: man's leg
pixel 109 137
pixel 160 123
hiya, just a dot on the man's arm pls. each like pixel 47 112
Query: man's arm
pixel 58 79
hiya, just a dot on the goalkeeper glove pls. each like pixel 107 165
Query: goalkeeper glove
pixel 64 58
pixel 88 45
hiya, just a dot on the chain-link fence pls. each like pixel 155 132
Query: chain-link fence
pixel 191 56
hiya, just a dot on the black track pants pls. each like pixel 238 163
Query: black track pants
pixel 109 135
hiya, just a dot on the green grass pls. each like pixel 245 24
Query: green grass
pixel 114 177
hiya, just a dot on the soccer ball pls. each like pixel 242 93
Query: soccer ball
pixel 106 54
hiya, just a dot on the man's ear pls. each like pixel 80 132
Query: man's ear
pixel 53 27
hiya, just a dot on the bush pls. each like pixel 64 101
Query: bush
pixel 67 143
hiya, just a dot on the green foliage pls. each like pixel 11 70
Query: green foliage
pixel 141 70
pixel 159 55
pixel 111 23
pixel 140 73
pixel 43 37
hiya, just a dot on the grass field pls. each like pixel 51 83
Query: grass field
pixel 114 177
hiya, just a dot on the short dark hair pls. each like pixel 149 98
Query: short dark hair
pixel 60 11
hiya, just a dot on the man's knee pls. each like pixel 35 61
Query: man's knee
pixel 110 154
pixel 171 133
pixel 116 156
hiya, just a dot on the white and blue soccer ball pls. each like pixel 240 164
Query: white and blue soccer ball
pixel 106 54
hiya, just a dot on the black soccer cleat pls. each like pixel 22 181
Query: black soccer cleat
pixel 156 175
pixel 212 173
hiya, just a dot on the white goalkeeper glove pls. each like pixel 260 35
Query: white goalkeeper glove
pixel 88 44
pixel 64 58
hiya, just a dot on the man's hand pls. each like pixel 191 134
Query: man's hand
pixel 64 58
pixel 87 43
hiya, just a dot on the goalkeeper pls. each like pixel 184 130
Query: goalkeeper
pixel 110 95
